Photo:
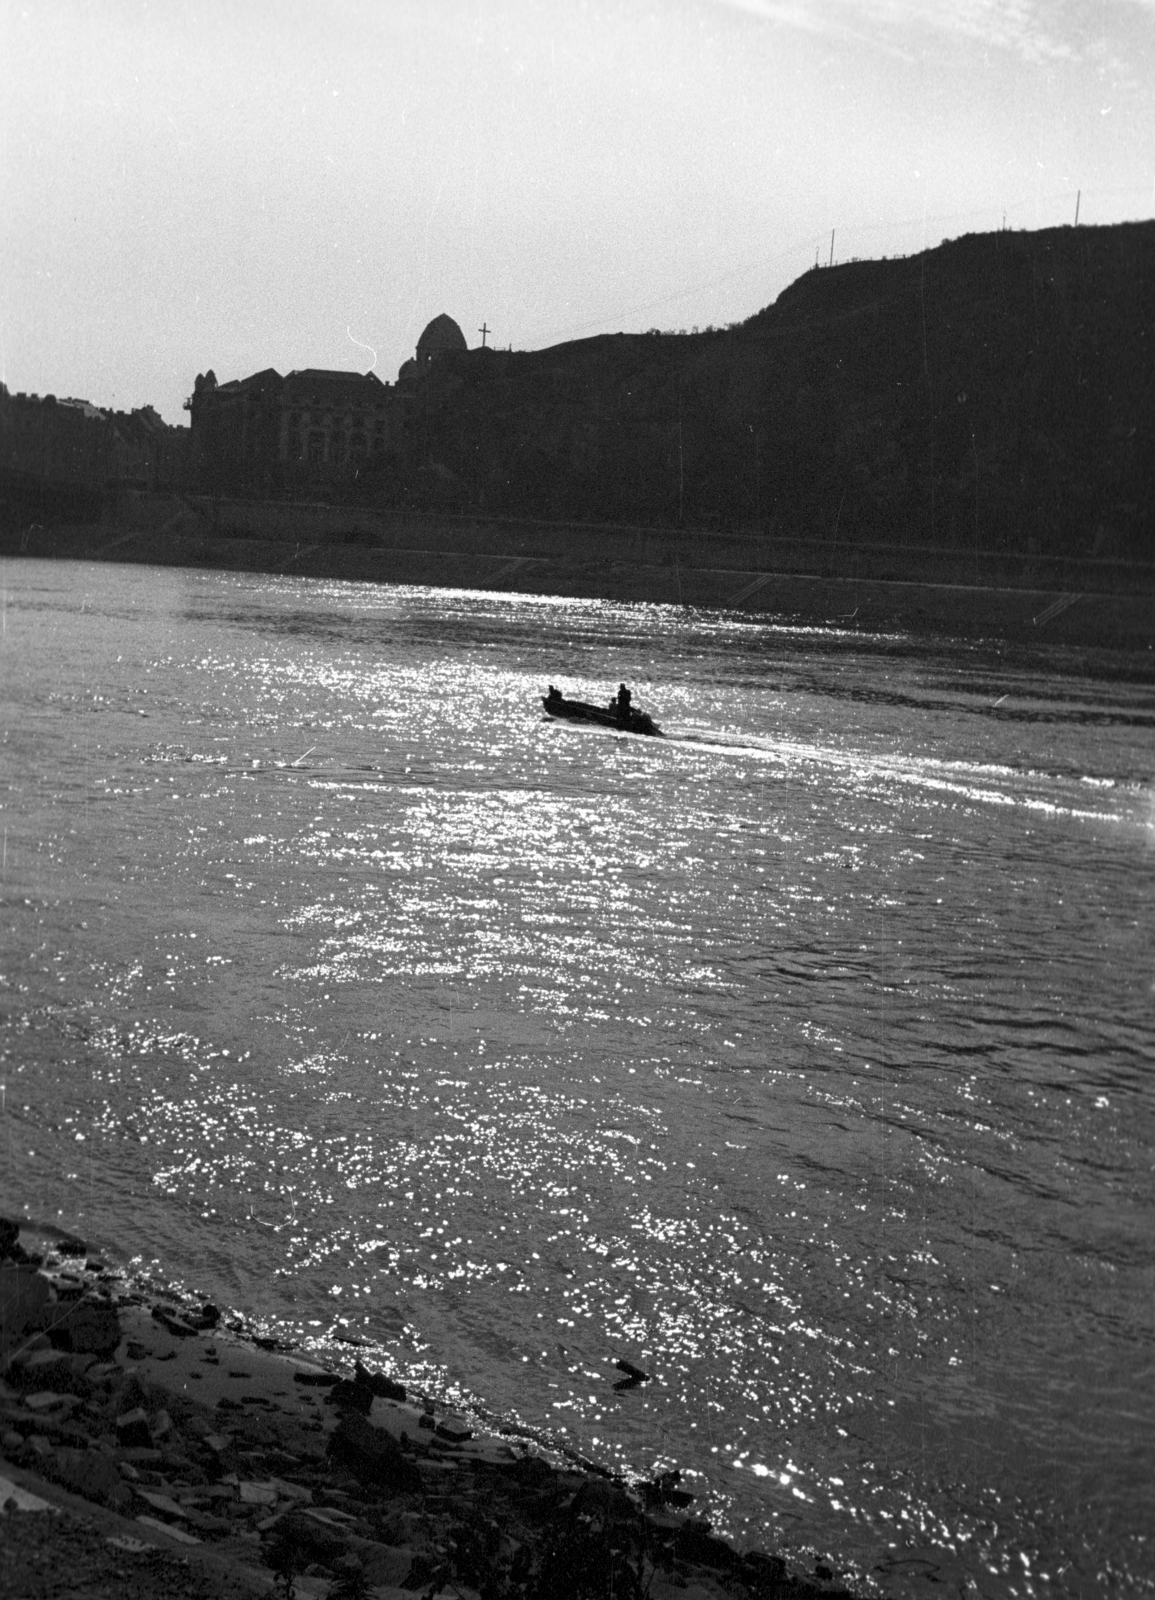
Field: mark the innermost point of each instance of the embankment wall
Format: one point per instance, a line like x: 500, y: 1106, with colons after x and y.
x: 876, y: 587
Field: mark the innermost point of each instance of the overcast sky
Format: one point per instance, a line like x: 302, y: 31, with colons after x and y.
x: 239, y: 184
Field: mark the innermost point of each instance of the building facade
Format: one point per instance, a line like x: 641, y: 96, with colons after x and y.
x: 269, y: 434
x: 72, y: 445
x: 312, y: 431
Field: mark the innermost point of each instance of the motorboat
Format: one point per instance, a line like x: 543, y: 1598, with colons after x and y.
x: 619, y: 713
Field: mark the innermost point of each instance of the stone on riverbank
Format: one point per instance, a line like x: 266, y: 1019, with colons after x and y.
x: 177, y: 1326
x: 299, y: 1539
x: 50, y: 1369
x: 373, y: 1456
x: 377, y: 1383
x: 91, y: 1474
x: 10, y: 1247
x: 24, y: 1299
x: 88, y: 1326
x: 132, y: 1430
x: 351, y: 1397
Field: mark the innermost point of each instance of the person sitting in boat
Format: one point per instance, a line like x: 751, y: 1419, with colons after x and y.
x: 622, y: 704
x: 554, y: 695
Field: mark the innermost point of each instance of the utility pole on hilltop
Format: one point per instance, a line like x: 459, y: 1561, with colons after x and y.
x: 483, y: 330
x: 681, y: 471
x: 832, y: 247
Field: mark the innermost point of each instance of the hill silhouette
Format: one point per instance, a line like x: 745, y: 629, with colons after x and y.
x: 959, y: 441
x: 995, y: 393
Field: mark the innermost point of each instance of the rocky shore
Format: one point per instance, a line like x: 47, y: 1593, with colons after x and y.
x: 149, y: 1448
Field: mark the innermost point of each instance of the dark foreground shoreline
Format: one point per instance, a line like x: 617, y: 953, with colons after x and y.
x: 149, y: 1450
x: 872, y: 589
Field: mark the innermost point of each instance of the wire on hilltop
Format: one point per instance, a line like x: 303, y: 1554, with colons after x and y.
x: 807, y: 243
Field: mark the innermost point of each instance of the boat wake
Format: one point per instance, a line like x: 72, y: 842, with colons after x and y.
x: 711, y: 739
x: 1088, y: 797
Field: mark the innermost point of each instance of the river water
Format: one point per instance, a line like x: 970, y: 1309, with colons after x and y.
x: 805, y: 1058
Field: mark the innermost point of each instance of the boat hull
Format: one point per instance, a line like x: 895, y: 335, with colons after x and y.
x: 582, y: 711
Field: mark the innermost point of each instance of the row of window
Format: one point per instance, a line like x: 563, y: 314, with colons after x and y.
x: 317, y: 445
x: 352, y: 419
x: 313, y: 448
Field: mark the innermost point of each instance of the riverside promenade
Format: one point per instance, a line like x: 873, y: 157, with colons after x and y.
x: 873, y: 588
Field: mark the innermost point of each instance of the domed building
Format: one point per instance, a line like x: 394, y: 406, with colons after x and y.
x: 441, y: 337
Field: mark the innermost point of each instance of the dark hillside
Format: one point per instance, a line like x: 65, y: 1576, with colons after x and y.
x: 994, y: 394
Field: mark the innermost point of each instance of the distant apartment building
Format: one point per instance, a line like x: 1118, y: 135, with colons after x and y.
x: 68, y: 445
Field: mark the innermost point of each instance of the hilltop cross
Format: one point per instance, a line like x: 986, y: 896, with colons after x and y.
x: 483, y: 330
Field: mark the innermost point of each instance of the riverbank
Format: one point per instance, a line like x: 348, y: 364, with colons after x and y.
x: 149, y: 1448
x: 872, y: 588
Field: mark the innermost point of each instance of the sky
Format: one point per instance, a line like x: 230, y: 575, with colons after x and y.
x: 242, y: 184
